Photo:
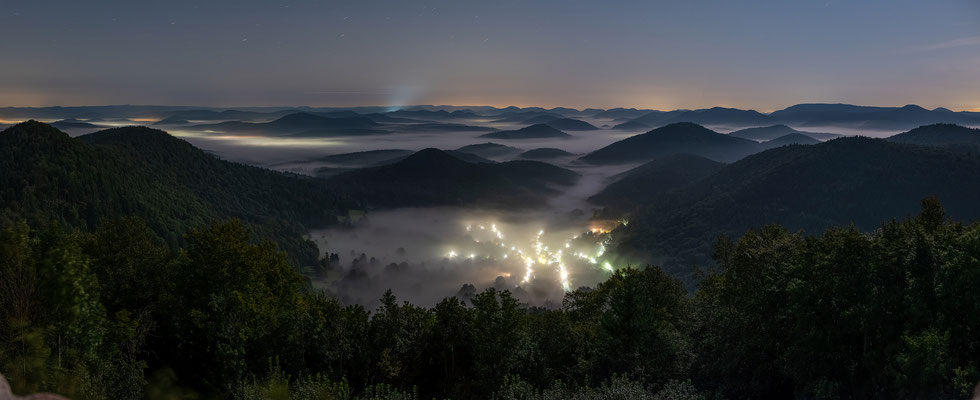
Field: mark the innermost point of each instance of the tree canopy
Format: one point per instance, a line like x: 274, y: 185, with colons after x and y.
x: 115, y: 313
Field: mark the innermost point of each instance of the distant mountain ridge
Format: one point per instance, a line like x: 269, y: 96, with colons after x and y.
x: 905, y: 117
x: 299, y: 124
x: 521, y: 116
x: 799, y: 115
x: 75, y: 124
x: 818, y: 115
x: 710, y: 116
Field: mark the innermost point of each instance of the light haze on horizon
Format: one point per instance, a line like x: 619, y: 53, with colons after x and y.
x: 763, y: 55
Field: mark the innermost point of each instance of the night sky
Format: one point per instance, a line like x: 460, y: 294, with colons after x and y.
x: 659, y: 54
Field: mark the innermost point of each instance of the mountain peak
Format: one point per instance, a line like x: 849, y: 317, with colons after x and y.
x: 133, y: 135
x: 152, y: 145
x: 34, y: 130
x: 913, y: 107
x: 678, y: 137
x: 431, y: 158
x: 682, y: 128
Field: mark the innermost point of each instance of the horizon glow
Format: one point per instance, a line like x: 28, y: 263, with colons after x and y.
x: 764, y: 55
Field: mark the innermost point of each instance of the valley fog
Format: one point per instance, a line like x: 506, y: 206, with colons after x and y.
x: 295, y: 154
x: 550, y: 242
x: 426, y: 254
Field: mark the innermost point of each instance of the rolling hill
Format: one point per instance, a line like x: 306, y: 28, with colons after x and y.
x: 138, y: 171
x: 521, y: 116
x: 387, y: 119
x: 709, y: 116
x: 75, y: 124
x: 569, y: 124
x: 225, y: 115
x: 621, y: 113
x: 675, y: 138
x: 540, y: 119
x: 645, y: 183
x: 171, y: 120
x: 818, y: 115
x: 433, y: 177
x: 849, y: 180
x: 766, y: 133
x: 489, y: 149
x: 632, y: 126
x: 364, y: 158
x: 438, y: 127
x: 792, y: 138
x: 299, y: 124
x: 939, y: 135
x: 544, y: 153
x: 425, y: 115
x: 565, y: 111
x: 539, y: 131
x: 906, y: 117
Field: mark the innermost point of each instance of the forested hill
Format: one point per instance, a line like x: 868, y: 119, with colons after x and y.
x: 233, y: 189
x: 681, y: 137
x: 653, y: 180
x: 844, y: 315
x: 940, y: 135
x: 45, y: 176
x: 850, y: 180
x: 433, y: 177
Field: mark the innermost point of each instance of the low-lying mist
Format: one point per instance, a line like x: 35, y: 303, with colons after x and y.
x: 426, y: 254
x: 297, y: 154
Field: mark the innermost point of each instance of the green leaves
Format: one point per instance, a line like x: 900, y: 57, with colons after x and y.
x: 843, y: 314
x: 115, y: 314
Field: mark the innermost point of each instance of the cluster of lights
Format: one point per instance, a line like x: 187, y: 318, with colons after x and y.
x: 540, y: 255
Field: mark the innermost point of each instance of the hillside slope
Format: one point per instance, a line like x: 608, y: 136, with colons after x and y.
x: 849, y: 180
x: 434, y: 177
x: 682, y: 137
x: 47, y: 176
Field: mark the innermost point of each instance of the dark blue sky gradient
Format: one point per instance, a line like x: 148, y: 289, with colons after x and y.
x: 660, y: 54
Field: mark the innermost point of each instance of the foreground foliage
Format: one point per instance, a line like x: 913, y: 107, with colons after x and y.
x: 114, y: 313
